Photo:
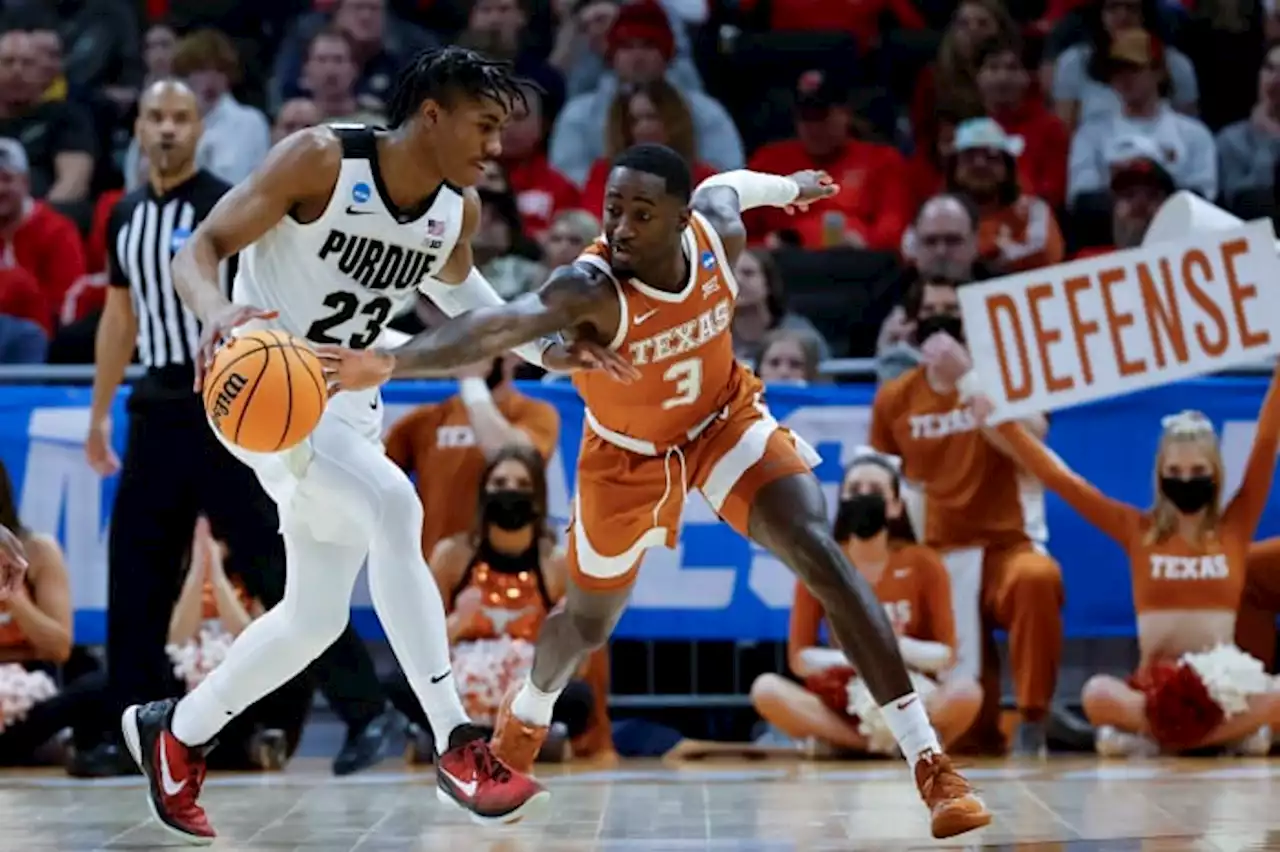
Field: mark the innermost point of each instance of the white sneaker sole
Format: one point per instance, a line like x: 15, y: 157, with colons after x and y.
x: 532, y: 808
x: 129, y: 727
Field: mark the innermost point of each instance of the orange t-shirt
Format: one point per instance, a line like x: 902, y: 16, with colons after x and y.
x: 436, y: 443
x: 1172, y: 573
x: 1020, y: 236
x: 679, y: 342
x: 914, y: 589
x: 974, y: 495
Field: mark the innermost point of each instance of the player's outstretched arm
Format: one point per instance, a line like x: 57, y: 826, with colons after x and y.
x: 722, y: 198
x: 301, y: 168
x: 569, y: 299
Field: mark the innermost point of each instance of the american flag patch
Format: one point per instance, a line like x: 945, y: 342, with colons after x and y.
x: 435, y: 228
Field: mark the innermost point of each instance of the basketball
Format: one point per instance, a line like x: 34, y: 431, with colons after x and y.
x: 265, y: 391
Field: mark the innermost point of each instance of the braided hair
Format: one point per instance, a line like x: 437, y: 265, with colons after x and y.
x: 443, y: 73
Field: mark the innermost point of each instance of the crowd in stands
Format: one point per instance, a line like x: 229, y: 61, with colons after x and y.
x: 1055, y: 126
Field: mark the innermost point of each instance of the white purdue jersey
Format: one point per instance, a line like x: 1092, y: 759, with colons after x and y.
x: 340, y: 279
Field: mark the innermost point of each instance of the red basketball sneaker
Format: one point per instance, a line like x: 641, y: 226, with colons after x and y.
x: 469, y: 776
x: 174, y: 770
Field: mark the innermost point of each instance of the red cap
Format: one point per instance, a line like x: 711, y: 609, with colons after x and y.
x: 645, y: 21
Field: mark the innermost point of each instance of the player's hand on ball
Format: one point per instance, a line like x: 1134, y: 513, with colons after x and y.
x: 814, y: 186
x: 588, y: 355
x: 13, y: 562
x: 355, y: 369
x: 217, y: 329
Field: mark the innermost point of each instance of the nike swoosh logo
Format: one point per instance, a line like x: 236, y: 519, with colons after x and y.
x: 168, y: 783
x: 467, y: 789
x: 441, y: 677
x: 905, y: 703
x: 644, y: 316
x: 352, y: 211
x: 374, y: 404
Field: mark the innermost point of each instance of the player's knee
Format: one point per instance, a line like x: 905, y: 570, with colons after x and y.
x: 317, y: 621
x: 1098, y: 699
x: 400, y: 508
x: 766, y: 693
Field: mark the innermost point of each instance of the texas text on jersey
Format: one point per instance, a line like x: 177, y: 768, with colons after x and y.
x: 340, y: 279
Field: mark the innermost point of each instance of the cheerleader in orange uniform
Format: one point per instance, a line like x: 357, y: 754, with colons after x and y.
x: 1194, y: 687
x: 831, y: 707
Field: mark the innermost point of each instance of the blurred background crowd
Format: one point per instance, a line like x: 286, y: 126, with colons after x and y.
x: 971, y: 138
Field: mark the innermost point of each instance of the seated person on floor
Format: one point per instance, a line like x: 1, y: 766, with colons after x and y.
x: 1194, y: 688
x: 212, y: 610
x: 833, y: 709
x: 498, y: 583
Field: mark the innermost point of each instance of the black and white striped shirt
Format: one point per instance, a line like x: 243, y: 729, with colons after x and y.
x: 146, y: 230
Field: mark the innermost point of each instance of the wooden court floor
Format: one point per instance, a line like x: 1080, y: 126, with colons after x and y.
x: 1062, y: 804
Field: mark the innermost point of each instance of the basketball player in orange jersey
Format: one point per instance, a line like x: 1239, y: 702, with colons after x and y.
x: 659, y: 290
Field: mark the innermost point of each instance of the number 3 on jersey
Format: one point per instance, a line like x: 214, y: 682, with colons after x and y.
x: 686, y: 375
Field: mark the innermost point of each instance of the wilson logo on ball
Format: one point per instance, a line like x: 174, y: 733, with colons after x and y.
x: 227, y: 394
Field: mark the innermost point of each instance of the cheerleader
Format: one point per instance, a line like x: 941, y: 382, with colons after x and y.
x: 832, y: 709
x: 1194, y: 688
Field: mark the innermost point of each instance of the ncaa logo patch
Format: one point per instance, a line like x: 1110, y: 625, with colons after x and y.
x: 708, y: 260
x: 179, y: 239
x: 360, y: 193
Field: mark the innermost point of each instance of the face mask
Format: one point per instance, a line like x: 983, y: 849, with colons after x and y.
x: 1189, y: 495
x: 930, y: 326
x: 862, y: 516
x: 495, y: 376
x: 509, y: 510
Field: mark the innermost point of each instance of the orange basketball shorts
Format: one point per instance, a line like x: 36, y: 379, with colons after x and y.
x: 626, y: 502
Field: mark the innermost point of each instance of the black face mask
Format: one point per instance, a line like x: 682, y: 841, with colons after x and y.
x: 862, y: 516
x: 509, y: 510
x: 930, y: 326
x: 495, y: 376
x: 1189, y: 495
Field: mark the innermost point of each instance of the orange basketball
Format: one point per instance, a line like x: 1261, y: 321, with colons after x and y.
x: 265, y: 391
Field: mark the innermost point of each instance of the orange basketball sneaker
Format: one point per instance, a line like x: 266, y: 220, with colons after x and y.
x: 515, y: 742
x: 953, y: 805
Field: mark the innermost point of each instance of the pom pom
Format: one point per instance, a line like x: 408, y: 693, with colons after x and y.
x: 195, y: 658
x: 1230, y: 675
x: 863, y: 706
x: 832, y: 687
x: 1180, y: 711
x: 485, y: 669
x: 20, y: 690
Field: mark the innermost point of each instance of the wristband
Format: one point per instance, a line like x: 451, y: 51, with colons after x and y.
x: 473, y: 390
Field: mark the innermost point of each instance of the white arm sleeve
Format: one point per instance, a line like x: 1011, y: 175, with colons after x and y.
x: 930, y: 657
x: 817, y: 659
x: 477, y: 292
x: 756, y: 189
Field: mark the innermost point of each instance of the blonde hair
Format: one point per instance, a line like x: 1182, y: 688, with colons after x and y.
x: 1186, y: 427
x: 671, y: 108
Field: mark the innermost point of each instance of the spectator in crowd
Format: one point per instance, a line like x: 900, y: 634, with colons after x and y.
x: 541, y: 191
x: 99, y: 39
x: 499, y: 29
x: 581, y: 50
x: 1248, y: 149
x: 1136, y: 69
x: 35, y: 644
x: 22, y: 339
x: 570, y: 233
x: 1016, y: 231
x: 212, y: 609
x: 950, y: 86
x: 159, y: 44
x: 1004, y: 85
x: 294, y: 115
x: 874, y: 203
x: 58, y: 136
x: 1083, y: 88
x: 861, y: 20
x: 1000, y: 573
x: 1140, y: 184
x: 912, y: 583
x: 82, y: 304
x: 761, y: 307
x: 790, y: 356
x: 329, y: 76
x: 236, y: 137
x: 650, y: 112
x: 499, y: 579
x: 927, y: 168
x: 897, y: 347
x: 383, y: 44
x: 641, y: 45
x: 447, y: 445
x: 502, y: 251
x: 36, y: 238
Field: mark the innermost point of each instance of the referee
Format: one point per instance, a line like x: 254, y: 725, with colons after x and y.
x: 174, y: 467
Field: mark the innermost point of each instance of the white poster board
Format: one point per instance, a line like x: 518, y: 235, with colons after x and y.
x: 1109, y: 325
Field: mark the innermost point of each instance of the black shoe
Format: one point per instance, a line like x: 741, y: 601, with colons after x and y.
x: 419, y: 747
x: 1029, y: 740
x: 269, y: 749
x: 363, y: 748
x: 174, y: 769
x: 106, y: 760
x: 1068, y: 731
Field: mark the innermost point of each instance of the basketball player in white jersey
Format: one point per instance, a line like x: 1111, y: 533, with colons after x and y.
x: 337, y: 231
